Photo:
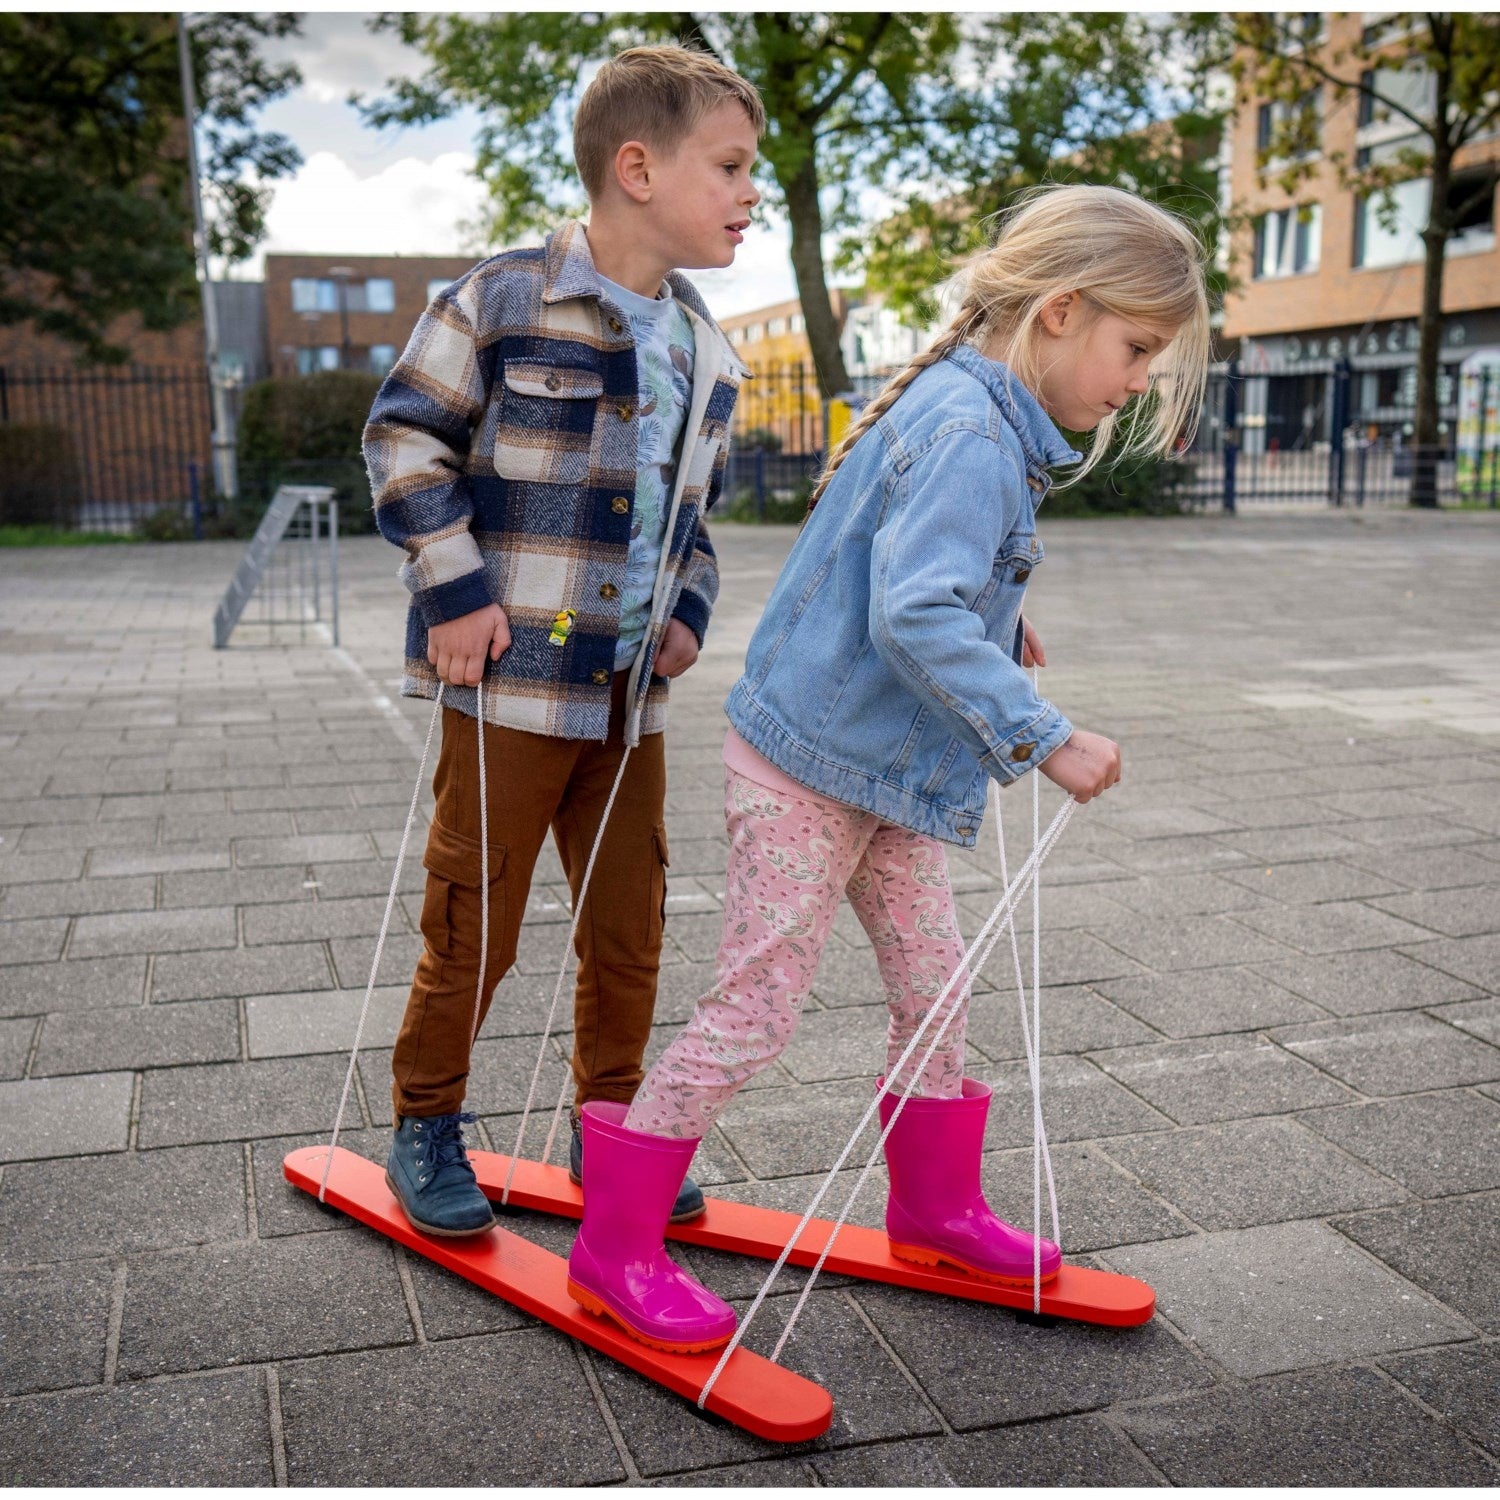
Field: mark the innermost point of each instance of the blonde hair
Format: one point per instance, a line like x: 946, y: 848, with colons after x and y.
x: 1122, y: 255
x: 658, y: 95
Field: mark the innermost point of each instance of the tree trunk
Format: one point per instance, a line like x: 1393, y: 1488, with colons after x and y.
x: 1425, y: 437
x: 800, y: 188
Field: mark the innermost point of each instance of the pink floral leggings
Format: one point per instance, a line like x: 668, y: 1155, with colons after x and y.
x: 790, y: 860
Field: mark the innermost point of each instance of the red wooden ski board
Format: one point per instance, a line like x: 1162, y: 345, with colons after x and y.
x: 1077, y: 1293
x: 763, y: 1398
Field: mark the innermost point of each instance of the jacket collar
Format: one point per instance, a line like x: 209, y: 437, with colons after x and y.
x: 1042, y: 443
x: 570, y: 272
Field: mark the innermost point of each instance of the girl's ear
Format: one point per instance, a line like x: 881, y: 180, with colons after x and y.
x: 1060, y: 314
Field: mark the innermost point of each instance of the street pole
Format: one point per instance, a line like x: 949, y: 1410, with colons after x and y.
x: 226, y: 479
x: 341, y: 275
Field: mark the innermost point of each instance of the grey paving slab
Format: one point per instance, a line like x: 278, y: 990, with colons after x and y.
x: 1278, y: 845
x: 1220, y: 1078
x: 847, y: 976
x: 1450, y: 1248
x: 1171, y: 896
x: 1325, y: 1428
x: 32, y: 940
x: 239, y: 1101
x: 1332, y: 927
x: 1475, y: 960
x: 1311, y: 881
x: 372, y: 878
x: 301, y: 849
x: 135, y: 1201
x: 831, y: 1345
x: 982, y: 1366
x: 398, y: 961
x: 322, y: 1021
x: 156, y: 861
x: 781, y: 1473
x: 1250, y: 1172
x: 454, y: 1308
x: 1396, y: 1053
x: 1067, y: 958
x: 1063, y: 907
x: 188, y: 929
x: 280, y: 1208
x: 1192, y: 943
x: 1072, y: 1451
x: 127, y: 833
x: 53, y: 1327
x: 214, y: 1430
x: 278, y: 1299
x: 140, y: 1036
x: 1462, y: 911
x: 241, y: 971
x: 1284, y: 1297
x: 1434, y: 1144
x: 1074, y: 1018
x: 1479, y: 1018
x: 76, y: 897
x: 782, y: 1132
x: 65, y: 1116
x: 302, y: 921
x: 1358, y: 983
x: 371, y: 1418
x: 1459, y: 1384
x: 29, y: 869
x: 275, y: 883
x: 1079, y: 1103
x: 15, y: 1045
x: 1208, y: 1002
x: 1176, y: 855
x: 1427, y: 869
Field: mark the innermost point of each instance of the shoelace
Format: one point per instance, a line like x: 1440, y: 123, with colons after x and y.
x: 445, y: 1142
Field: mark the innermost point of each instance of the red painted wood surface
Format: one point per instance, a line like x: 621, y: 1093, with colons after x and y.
x: 1079, y: 1294
x: 766, y: 1399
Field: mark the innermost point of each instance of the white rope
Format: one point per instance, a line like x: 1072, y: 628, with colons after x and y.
x: 385, y: 922
x: 989, y: 936
x: 484, y: 869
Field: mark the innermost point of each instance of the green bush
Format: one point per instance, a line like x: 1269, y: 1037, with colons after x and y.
x: 301, y: 429
x: 1138, y: 487
x: 41, y: 478
x: 166, y: 523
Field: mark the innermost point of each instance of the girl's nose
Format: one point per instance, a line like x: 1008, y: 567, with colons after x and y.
x: 1138, y: 385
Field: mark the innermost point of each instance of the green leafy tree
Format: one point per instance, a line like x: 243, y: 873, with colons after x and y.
x: 1437, y: 72
x: 95, y: 215
x: 1039, y: 98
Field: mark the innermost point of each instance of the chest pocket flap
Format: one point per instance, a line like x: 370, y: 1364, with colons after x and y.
x: 533, y: 378
x: 546, y: 422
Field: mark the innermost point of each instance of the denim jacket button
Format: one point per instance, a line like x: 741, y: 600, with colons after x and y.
x: 1035, y: 482
x: 1024, y: 750
x: 1022, y: 574
x: 964, y: 832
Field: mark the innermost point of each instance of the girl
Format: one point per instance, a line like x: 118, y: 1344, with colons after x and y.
x: 883, y: 689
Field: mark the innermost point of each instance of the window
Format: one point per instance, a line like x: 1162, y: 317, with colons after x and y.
x: 380, y: 295
x: 798, y: 323
x: 1475, y: 208
x: 1288, y: 242
x: 382, y: 357
x: 314, y: 295
x: 311, y: 360
x: 1291, y: 131
x: 1413, y: 89
x: 1301, y: 27
x: 436, y: 285
x: 755, y: 333
x: 775, y: 328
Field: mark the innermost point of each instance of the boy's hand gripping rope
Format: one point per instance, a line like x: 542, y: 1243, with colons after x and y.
x: 1001, y: 919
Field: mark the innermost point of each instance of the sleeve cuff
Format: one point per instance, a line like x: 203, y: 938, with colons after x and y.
x: 449, y: 601
x: 1025, y: 749
x: 692, y: 610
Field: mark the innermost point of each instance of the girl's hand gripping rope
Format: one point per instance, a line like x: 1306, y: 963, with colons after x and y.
x: 1084, y: 764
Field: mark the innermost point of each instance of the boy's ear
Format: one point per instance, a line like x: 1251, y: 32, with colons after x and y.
x: 633, y: 171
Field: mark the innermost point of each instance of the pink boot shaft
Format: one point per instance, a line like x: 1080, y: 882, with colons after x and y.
x: 619, y: 1267
x: 937, y: 1210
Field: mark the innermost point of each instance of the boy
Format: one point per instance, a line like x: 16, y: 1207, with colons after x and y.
x: 544, y: 451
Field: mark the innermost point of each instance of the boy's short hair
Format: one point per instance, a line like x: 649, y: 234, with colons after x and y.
x: 658, y: 95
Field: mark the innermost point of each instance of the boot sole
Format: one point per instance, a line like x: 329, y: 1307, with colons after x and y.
x: 416, y: 1223
x: 601, y: 1309
x: 697, y: 1213
x: 919, y: 1255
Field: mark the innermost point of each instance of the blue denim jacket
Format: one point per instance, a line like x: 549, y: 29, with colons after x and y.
x: 885, y: 671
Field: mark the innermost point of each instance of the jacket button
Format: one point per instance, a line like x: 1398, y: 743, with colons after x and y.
x: 1034, y: 481
x: 553, y: 382
x: 1024, y: 750
x: 619, y: 505
x: 615, y: 326
x: 607, y: 591
x: 599, y: 676
x: 964, y: 832
x: 1022, y: 574
x: 622, y: 411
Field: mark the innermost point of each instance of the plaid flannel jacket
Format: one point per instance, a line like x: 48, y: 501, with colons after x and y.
x: 502, y: 457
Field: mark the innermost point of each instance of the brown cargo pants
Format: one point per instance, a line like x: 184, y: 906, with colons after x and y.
x: 534, y: 782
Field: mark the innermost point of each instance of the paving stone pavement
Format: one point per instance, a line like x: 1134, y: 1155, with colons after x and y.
x: 1271, y: 1051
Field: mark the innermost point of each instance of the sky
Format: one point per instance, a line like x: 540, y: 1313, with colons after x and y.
x: 410, y: 191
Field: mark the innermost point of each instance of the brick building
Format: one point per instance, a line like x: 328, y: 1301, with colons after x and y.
x: 1321, y: 278
x: 356, y: 312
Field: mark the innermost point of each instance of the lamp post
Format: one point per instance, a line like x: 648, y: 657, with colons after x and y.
x: 341, y: 275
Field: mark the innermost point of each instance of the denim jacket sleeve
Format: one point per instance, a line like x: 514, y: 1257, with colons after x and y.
x: 415, y: 444
x: 949, y: 513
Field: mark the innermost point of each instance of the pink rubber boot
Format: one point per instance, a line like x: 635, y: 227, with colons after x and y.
x: 619, y: 1267
x: 936, y: 1210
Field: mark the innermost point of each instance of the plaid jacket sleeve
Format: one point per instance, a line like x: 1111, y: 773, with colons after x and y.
x: 700, y: 583
x: 415, y: 444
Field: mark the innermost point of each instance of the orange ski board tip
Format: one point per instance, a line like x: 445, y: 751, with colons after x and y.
x: 766, y: 1399
x: 1076, y: 1293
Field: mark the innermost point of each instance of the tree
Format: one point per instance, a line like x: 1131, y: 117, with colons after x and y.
x: 1439, y: 73
x: 1046, y: 97
x: 96, y: 220
x: 831, y: 82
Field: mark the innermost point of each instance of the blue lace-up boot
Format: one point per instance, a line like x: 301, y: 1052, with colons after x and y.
x: 689, y: 1202
x: 430, y: 1175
